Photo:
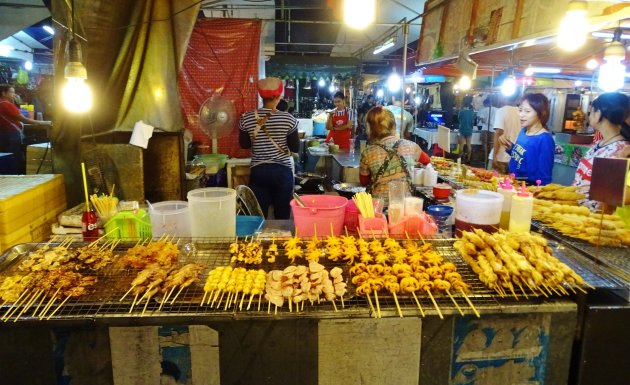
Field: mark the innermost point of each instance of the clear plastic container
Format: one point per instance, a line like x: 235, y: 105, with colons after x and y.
x: 212, y: 212
x: 521, y: 213
x: 170, y: 218
x: 477, y: 209
x: 396, y: 207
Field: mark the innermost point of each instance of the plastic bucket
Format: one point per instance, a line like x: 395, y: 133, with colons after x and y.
x: 351, y: 217
x: 171, y: 218
x: 247, y: 225
x: 212, y: 212
x: 479, y: 209
x: 321, y: 212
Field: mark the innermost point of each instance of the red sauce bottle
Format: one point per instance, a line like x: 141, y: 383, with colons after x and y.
x: 89, y: 225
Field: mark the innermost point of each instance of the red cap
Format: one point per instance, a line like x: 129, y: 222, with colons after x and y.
x: 270, y: 87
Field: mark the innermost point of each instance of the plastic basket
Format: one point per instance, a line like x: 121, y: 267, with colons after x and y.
x: 320, y: 214
x: 248, y: 225
x: 129, y: 224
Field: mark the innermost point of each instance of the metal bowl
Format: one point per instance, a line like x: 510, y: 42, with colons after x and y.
x: 348, y: 190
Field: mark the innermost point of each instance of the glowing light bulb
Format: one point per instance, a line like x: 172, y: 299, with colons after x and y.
x: 77, y: 96
x: 592, y: 64
x: 508, y: 88
x: 573, y: 27
x: 380, y: 93
x: 28, y: 65
x: 321, y: 82
x: 393, y: 82
x: 465, y: 83
x: 611, y: 75
x: 359, y: 14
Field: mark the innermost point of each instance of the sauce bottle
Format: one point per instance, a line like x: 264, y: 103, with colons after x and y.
x: 507, y: 190
x: 521, y: 213
x: 89, y: 225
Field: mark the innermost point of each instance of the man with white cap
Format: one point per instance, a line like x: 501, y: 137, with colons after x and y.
x: 272, y: 135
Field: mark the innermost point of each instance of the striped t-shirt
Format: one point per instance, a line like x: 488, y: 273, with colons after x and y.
x: 279, y: 126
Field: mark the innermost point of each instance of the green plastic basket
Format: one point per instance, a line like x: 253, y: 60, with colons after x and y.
x: 129, y: 225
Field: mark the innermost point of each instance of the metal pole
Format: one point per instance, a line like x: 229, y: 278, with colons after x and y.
x: 404, y: 72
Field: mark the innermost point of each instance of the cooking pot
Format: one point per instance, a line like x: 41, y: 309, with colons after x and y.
x: 348, y: 190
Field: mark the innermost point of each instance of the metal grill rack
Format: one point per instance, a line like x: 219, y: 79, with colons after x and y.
x: 102, y: 302
x: 609, y: 263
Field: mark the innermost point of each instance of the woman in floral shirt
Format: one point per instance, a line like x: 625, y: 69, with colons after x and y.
x: 387, y: 158
x: 607, y: 115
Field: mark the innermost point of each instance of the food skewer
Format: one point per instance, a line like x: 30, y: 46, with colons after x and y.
x: 435, y: 304
x: 469, y: 303
x: 49, y: 304
x: 58, y: 307
x: 127, y: 293
x: 455, y: 302
x: 418, y: 303
x: 378, y: 305
x: 133, y: 303
x: 397, y: 304
x: 34, y: 298
x: 12, y: 309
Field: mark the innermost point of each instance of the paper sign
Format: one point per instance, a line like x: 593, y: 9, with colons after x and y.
x: 444, y: 138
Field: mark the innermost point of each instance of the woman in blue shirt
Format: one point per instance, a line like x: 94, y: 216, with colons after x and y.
x: 532, y: 154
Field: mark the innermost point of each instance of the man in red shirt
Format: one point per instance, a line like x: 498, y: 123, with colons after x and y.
x: 11, y: 128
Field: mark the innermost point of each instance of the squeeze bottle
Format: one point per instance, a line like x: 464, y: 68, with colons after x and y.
x: 521, y: 213
x: 430, y: 176
x: 507, y: 190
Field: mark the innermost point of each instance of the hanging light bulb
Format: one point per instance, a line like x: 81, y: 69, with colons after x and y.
x: 321, y: 82
x: 573, y: 27
x: 508, y: 88
x: 612, y: 73
x: 359, y: 14
x: 465, y: 83
x: 77, y: 96
x: 393, y: 82
x: 380, y: 93
x: 592, y: 64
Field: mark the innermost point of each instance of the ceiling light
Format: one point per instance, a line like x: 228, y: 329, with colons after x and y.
x: 321, y: 82
x: 331, y: 88
x: 5, y: 49
x: 592, y: 64
x: 359, y: 14
x: 77, y: 96
x: 508, y: 88
x: 465, y: 83
x: 574, y: 26
x: 49, y: 29
x: 393, y: 82
x: 389, y: 43
x: 380, y: 93
x: 417, y: 100
x: 529, y: 71
x: 28, y: 65
x: 408, y: 90
x: 542, y: 70
x: 612, y: 73
x: 578, y: 83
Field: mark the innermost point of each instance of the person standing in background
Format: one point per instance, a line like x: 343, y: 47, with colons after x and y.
x: 485, y: 119
x: 506, y: 123
x: 466, y: 119
x: 272, y: 135
x: 404, y: 129
x: 340, y: 123
x: 11, y: 133
x: 531, y: 155
x: 607, y: 116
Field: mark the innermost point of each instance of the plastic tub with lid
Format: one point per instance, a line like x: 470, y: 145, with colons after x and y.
x: 170, y: 218
x: 480, y: 209
x: 212, y: 212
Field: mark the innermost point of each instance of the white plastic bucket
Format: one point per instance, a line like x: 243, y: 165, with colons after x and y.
x: 477, y: 209
x: 212, y: 212
x: 170, y: 218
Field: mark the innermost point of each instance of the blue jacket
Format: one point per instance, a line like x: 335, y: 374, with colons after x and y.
x: 532, y: 157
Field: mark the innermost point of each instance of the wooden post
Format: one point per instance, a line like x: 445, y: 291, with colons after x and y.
x: 518, y: 14
x: 473, y: 23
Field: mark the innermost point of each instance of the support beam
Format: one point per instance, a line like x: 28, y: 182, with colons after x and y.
x: 518, y: 15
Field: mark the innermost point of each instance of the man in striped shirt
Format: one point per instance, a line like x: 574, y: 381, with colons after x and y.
x: 271, y: 135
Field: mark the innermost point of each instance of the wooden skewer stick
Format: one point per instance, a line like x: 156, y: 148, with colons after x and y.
x: 371, y: 306
x: 562, y: 289
x: 378, y: 305
x: 275, y: 312
x: 589, y: 285
x: 513, y: 292
x: 522, y: 290
x: 162, y: 302
x: 343, y: 305
x: 28, y: 303
x: 205, y: 294
x: 455, y: 302
x: 133, y: 303
x: 421, y: 237
x: 95, y: 243
x: 580, y: 289
x: 12, y: 309
x: 178, y: 293
x: 418, y: 303
x: 127, y: 293
x: 144, y: 309
x: 259, y: 300
x: 302, y: 308
x: 240, y: 304
x: 572, y: 290
x: 220, y: 299
x: 268, y: 307
x: 58, y: 307
x: 41, y: 302
x: 435, y: 304
x: 397, y: 304
x: 470, y: 303
x: 249, y: 303
x: 334, y: 305
x: 228, y: 301
x: 49, y: 304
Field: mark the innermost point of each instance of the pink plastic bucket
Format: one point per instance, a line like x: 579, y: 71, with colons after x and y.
x: 320, y: 212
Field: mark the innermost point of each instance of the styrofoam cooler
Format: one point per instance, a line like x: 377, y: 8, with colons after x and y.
x: 170, y: 218
x: 212, y: 212
x: 322, y: 214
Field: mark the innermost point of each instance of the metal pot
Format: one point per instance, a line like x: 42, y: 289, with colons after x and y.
x: 348, y: 190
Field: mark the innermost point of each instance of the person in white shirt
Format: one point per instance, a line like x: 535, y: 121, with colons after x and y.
x: 506, y: 122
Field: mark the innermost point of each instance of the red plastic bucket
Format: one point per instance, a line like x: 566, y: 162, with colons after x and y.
x: 320, y: 213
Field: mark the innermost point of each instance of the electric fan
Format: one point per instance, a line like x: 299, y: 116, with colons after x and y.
x: 216, y: 117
